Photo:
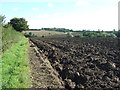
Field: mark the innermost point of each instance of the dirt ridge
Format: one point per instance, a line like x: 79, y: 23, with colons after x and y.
x: 42, y: 73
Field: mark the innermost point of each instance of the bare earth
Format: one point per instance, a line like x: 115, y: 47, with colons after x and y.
x: 76, y: 63
x: 42, y: 73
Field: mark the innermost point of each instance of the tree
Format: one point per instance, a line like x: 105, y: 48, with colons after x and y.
x: 2, y: 19
x: 19, y: 24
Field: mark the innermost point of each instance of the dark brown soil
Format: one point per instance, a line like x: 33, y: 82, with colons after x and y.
x: 88, y: 63
x: 42, y: 74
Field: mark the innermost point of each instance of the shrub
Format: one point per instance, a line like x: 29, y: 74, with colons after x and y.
x: 117, y: 33
x: 78, y: 35
x: 43, y: 36
x: 69, y: 34
x: 30, y: 34
x: 90, y: 34
x: 111, y: 35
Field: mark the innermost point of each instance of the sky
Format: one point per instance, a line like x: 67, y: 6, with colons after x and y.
x: 71, y: 14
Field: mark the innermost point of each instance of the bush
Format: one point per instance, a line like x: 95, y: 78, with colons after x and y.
x: 117, y: 33
x: 90, y: 34
x: 101, y: 35
x: 111, y: 35
x: 69, y: 34
x: 96, y: 34
x: 43, y: 36
x: 30, y: 34
x: 78, y: 35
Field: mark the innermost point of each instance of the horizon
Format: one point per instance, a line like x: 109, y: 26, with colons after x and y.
x: 34, y: 29
x: 70, y: 14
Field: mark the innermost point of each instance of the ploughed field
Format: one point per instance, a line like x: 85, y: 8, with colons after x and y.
x: 83, y: 62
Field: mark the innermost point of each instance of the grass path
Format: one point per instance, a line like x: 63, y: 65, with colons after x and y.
x: 15, y: 66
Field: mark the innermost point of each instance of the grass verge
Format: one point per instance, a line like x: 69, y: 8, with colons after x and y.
x: 15, y: 66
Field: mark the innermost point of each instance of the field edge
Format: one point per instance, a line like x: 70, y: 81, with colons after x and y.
x: 16, y: 72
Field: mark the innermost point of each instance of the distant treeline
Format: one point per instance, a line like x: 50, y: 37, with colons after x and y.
x: 89, y: 33
x: 71, y: 30
x: 54, y: 29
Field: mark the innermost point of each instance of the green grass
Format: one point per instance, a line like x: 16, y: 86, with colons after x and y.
x: 0, y: 52
x: 15, y: 66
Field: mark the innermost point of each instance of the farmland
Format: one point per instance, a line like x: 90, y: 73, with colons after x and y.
x: 59, y: 58
x: 82, y: 62
x: 44, y: 32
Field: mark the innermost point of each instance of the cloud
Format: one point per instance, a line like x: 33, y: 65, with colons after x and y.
x: 50, y: 5
x: 19, y: 0
x: 42, y: 16
x: 103, y: 19
x: 35, y: 0
x: 35, y: 9
x: 82, y: 3
x: 53, y: 0
x: 15, y: 9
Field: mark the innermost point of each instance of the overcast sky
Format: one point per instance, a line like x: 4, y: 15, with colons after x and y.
x: 72, y: 14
